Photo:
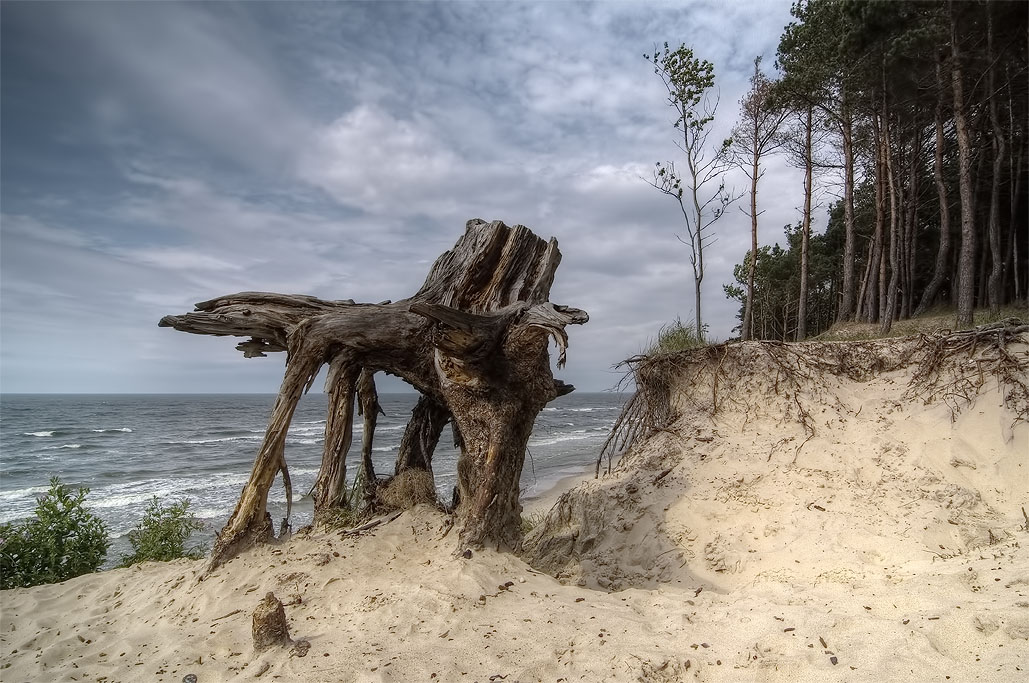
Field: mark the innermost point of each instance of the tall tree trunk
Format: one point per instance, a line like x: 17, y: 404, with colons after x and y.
x: 698, y: 264
x: 966, y: 259
x: 982, y: 218
x: 995, y: 282
x: 846, y: 310
x: 940, y: 269
x: 1015, y: 157
x: 911, y: 241
x: 877, y: 286
x: 1015, y: 188
x: 805, y: 237
x: 981, y: 298
x: 910, y: 208
x: 865, y: 279
x: 890, y: 312
x: 747, y: 330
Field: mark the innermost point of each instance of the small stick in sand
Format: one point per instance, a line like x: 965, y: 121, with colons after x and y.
x: 662, y: 475
x: 226, y: 616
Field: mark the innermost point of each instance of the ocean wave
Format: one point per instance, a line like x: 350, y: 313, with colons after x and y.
x: 320, y: 430
x: 67, y: 445
x: 50, y: 433
x: 116, y: 429
x: 14, y: 494
x: 140, y: 492
x: 216, y: 513
x: 219, y: 440
x: 306, y: 431
x: 575, y: 436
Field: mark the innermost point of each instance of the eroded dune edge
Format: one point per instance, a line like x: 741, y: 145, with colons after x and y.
x: 817, y: 511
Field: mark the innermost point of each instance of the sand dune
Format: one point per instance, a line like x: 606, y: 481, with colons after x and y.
x: 828, y: 524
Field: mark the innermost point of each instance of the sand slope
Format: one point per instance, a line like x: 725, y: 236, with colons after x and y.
x: 882, y: 541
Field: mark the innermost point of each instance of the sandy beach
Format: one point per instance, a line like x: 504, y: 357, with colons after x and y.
x: 835, y: 528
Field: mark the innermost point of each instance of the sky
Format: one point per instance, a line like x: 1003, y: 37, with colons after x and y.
x: 158, y: 154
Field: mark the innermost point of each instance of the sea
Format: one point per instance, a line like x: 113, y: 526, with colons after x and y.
x: 126, y: 449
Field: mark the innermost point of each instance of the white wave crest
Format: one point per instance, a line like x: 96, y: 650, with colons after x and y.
x: 220, y: 440
x: 575, y: 436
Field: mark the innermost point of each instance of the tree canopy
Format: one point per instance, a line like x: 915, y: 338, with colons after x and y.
x: 923, y: 109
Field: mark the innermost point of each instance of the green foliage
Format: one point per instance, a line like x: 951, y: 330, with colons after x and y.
x: 63, y: 540
x: 677, y: 336
x: 777, y: 285
x: 687, y: 79
x: 162, y: 534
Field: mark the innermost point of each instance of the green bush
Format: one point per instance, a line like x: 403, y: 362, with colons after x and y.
x: 63, y: 540
x: 162, y: 534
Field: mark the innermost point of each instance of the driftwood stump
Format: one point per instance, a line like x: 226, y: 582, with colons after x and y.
x: 473, y: 342
x: 270, y: 627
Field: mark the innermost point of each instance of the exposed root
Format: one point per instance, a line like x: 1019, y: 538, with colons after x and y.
x: 472, y: 341
x: 952, y: 367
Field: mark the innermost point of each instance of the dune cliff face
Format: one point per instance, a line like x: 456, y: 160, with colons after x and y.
x: 808, y: 512
x: 880, y: 481
x: 810, y: 463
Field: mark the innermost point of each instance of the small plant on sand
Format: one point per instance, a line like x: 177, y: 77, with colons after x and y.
x: 350, y: 513
x: 61, y: 541
x: 676, y: 336
x: 162, y: 534
x: 532, y: 520
x: 341, y: 518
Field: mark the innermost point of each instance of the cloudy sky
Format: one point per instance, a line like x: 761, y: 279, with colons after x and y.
x: 156, y: 154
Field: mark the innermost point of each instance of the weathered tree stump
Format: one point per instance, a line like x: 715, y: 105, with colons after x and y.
x: 270, y: 628
x: 473, y: 341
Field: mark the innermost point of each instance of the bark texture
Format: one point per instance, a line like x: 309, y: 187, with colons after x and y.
x: 805, y: 238
x: 940, y: 270
x: 270, y: 628
x: 473, y: 341
x: 846, y: 311
x: 966, y: 256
